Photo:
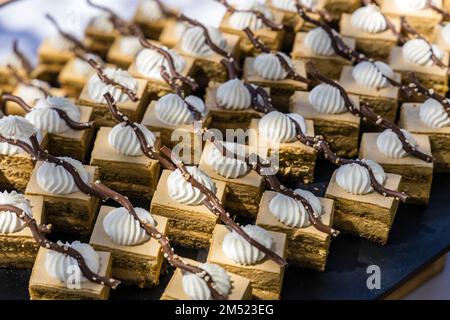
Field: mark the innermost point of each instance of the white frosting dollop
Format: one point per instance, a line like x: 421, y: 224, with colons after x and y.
x: 325, y: 98
x: 279, y: 127
x: 172, y: 110
x: 102, y: 22
x: 196, y: 288
x: 355, y: 179
x: 226, y: 166
x: 372, y: 75
x: 369, y: 19
x: 30, y: 93
x: 241, y: 251
x: 124, y: 140
x: 9, y: 221
x: 97, y: 88
x: 57, y: 180
x: 445, y: 33
x: 150, y: 10
x: 233, y: 95
x: 61, y: 267
x: 318, y: 41
x: 292, y: 212
x: 124, y: 230
x: 44, y: 117
x: 183, y: 192
x: 61, y: 43
x: 268, y: 66
x: 194, y: 41
x: 390, y: 145
x: 411, y: 5
x: 82, y: 67
x: 418, y: 51
x: 15, y: 127
x: 130, y: 45
x: 433, y: 114
x: 243, y: 20
x: 289, y: 5
x: 149, y: 63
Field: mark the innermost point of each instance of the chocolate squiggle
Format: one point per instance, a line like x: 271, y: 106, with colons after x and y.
x: 26, y: 64
x: 77, y: 43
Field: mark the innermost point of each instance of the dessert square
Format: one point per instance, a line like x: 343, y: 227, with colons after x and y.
x: 7, y: 82
x: 72, y: 213
x: 123, y: 51
x: 266, y: 276
x: 338, y: 7
x: 341, y: 130
x: 51, y: 58
x: 100, y: 34
x: 132, y: 264
x: 296, y: 160
x: 74, y: 76
x: 439, y: 137
x: 417, y: 174
x: 172, y: 33
x: 244, y: 192
x: 43, y: 286
x: 150, y: 18
x: 330, y: 66
x: 281, y: 91
x: 135, y: 177
x: 190, y: 226
x: 306, y: 247
x: 374, y: 45
x: 369, y: 215
x: 18, y: 250
x: 240, y: 286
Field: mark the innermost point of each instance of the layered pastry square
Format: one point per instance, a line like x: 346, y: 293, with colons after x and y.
x: 338, y: 7
x: 151, y: 18
x: 7, y: 82
x: 190, y: 222
x: 16, y: 165
x: 267, y: 71
x: 276, y: 132
x: 306, y: 246
x: 67, y: 208
x: 431, y: 119
x: 58, y: 277
x: 315, y: 46
x: 368, y: 26
x: 136, y: 257
x: 74, y: 76
x: 236, y: 255
x: 93, y: 96
x: 188, y: 286
x: 359, y: 210
x: 123, y: 51
x: 386, y: 149
x: 100, y: 34
x: 18, y: 249
x: 332, y: 120
x: 122, y: 165
x: 245, y: 186
x: 53, y: 54
x: 172, y: 33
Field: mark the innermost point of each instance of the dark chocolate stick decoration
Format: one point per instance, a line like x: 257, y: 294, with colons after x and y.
x: 212, y: 202
x: 368, y: 115
x: 62, y: 114
x: 258, y: 44
x: 39, y: 232
x: 165, y: 10
x: 26, y: 82
x: 432, y: 6
x: 26, y: 64
x: 77, y: 43
x: 259, y: 14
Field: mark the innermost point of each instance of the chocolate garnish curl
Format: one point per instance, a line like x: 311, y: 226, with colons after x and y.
x: 77, y: 43
x: 39, y: 231
x: 26, y: 64
x: 442, y: 12
x: 62, y: 114
x: 367, y: 114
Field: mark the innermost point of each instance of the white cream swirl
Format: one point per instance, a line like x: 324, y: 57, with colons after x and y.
x: 9, y: 221
x: 268, y: 66
x: 61, y: 267
x: 194, y: 41
x: 130, y: 45
x: 369, y: 19
x: 318, y: 41
x: 279, y: 127
x: 44, y: 117
x: 196, y: 287
x: 445, y: 33
x: 82, y: 67
x: 57, y: 180
x: 102, y: 23
x: 372, y: 74
x: 15, y: 127
x: 411, y: 5
x: 355, y: 179
x: 228, y: 166
x: 241, y: 19
x: 433, y: 114
x: 183, y: 192
x: 292, y: 212
x: 241, y: 251
x: 150, y: 10
x: 327, y: 99
x: 149, y: 63
x: 61, y: 43
x: 172, y: 110
x: 390, y: 145
x: 418, y: 51
x: 124, y: 230
x: 97, y: 88
x: 124, y: 140
x: 233, y: 95
x: 31, y: 93
x: 290, y: 5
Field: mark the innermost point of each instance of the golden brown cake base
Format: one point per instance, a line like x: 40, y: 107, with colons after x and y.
x: 17, y: 252
x: 337, y: 7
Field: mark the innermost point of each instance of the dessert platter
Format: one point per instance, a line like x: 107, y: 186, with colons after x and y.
x: 276, y: 156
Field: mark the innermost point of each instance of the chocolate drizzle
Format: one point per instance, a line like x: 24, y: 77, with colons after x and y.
x: 367, y: 114
x: 77, y: 43
x: 27, y: 82
x: 26, y: 64
x: 39, y: 232
x: 258, y: 44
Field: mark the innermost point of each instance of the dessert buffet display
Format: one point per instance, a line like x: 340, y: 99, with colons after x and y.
x: 209, y: 138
